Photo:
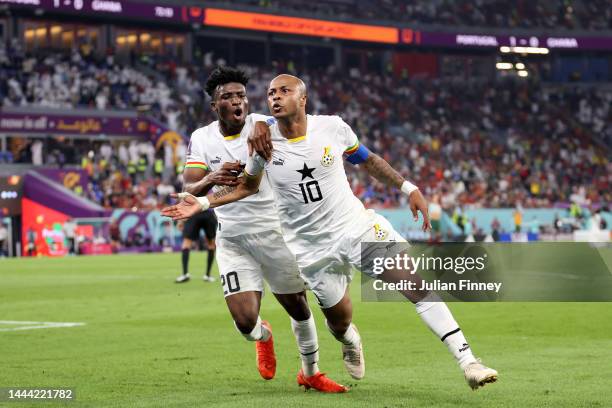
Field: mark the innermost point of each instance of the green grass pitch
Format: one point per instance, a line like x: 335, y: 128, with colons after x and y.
x: 148, y: 342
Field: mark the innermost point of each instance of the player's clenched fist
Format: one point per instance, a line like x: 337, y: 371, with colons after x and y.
x: 227, y: 175
x: 260, y: 141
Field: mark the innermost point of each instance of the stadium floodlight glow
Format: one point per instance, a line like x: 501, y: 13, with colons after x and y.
x: 503, y: 65
x: 523, y: 73
x: 520, y: 65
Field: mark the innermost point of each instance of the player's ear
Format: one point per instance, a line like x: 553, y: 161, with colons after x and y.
x: 213, y: 106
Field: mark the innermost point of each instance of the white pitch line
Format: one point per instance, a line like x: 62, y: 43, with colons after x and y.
x: 26, y: 325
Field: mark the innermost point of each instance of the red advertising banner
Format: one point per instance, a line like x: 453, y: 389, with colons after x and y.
x: 302, y: 26
x: 42, y: 230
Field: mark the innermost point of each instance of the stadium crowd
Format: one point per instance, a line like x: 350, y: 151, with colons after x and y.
x: 492, y: 143
x: 56, y: 80
x: 568, y: 14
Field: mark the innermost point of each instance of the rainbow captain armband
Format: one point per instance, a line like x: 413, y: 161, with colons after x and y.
x: 197, y: 165
x: 357, y: 153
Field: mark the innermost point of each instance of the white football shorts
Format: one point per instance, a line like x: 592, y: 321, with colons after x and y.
x: 246, y: 260
x: 329, y: 276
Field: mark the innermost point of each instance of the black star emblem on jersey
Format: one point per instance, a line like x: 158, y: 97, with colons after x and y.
x: 306, y: 172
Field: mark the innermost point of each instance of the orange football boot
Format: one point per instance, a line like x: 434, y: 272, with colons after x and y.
x: 320, y: 383
x: 266, y: 359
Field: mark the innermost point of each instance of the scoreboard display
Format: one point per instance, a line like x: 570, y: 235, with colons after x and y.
x: 119, y: 8
x: 10, y: 195
x: 180, y: 14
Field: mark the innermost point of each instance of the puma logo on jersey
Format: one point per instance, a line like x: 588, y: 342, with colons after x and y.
x: 278, y: 162
x: 379, y: 233
x: 216, y: 160
x: 328, y: 158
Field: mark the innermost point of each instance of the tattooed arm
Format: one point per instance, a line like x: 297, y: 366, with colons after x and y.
x: 377, y: 167
x: 382, y: 171
x: 248, y: 185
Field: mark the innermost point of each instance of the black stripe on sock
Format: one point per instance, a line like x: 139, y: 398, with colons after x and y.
x: 450, y: 333
x: 308, y: 354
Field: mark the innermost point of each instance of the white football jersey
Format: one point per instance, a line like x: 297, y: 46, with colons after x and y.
x: 209, y: 149
x: 315, y: 202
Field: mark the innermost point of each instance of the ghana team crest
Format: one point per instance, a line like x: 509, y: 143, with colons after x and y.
x: 379, y: 233
x: 328, y: 158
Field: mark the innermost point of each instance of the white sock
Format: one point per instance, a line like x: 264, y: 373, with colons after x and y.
x: 439, y: 319
x: 349, y: 337
x: 259, y: 332
x: 305, y: 332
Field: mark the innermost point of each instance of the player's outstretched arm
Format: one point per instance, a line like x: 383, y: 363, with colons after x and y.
x: 188, y: 206
x: 191, y: 205
x: 382, y: 171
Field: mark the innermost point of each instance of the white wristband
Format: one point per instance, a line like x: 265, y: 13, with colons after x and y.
x: 202, y: 200
x: 408, y: 187
x: 204, y: 203
x: 255, y: 165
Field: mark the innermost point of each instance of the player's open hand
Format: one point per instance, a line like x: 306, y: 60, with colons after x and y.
x: 186, y: 208
x: 227, y: 175
x: 260, y: 141
x: 418, y: 203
